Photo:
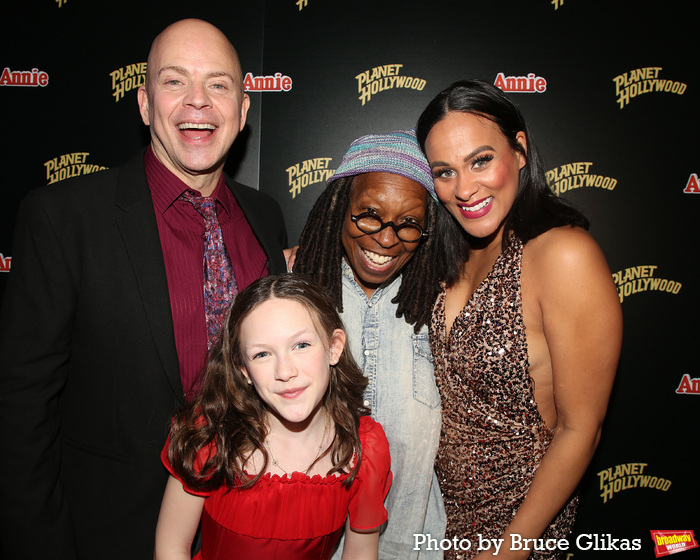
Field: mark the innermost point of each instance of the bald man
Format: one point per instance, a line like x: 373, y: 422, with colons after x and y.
x: 104, y: 332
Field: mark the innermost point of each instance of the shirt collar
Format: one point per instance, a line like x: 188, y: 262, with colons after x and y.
x: 349, y: 276
x: 166, y: 187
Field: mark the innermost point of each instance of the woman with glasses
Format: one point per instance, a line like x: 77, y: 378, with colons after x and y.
x: 370, y: 240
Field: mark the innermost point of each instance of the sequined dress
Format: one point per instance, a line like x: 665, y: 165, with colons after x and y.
x: 493, y: 437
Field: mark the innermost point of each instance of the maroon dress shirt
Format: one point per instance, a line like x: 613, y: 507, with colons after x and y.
x: 181, y: 230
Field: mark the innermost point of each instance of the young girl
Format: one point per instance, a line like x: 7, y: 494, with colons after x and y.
x: 277, y: 454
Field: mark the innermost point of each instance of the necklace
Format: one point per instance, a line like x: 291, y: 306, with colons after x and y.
x: 276, y: 463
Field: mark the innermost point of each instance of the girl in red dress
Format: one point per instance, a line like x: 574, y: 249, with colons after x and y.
x: 277, y: 455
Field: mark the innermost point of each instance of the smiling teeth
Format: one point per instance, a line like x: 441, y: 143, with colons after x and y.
x: 202, y: 126
x: 376, y: 258
x: 479, y: 206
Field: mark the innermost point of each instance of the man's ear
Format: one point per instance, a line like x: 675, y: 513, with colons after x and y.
x: 142, y: 97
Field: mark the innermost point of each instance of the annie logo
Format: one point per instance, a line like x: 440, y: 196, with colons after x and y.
x: 278, y: 82
x: 670, y: 542
x: 521, y: 84
x: 24, y: 78
x: 689, y: 386
x: 5, y: 263
x: 693, y: 185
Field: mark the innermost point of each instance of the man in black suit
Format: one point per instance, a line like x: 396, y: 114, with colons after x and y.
x: 103, y: 326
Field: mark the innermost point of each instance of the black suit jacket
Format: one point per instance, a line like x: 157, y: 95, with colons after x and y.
x: 90, y: 375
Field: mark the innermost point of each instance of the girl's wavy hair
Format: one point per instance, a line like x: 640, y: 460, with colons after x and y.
x: 227, y: 419
x: 536, y: 209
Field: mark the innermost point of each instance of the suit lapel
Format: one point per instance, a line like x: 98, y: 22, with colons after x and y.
x: 136, y: 220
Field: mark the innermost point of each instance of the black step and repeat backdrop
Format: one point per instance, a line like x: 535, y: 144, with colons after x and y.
x: 610, y: 90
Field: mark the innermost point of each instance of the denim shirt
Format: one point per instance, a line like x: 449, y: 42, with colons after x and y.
x: 404, y: 399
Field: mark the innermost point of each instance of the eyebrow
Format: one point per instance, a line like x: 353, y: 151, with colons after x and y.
x: 301, y: 333
x: 469, y: 156
x: 186, y: 72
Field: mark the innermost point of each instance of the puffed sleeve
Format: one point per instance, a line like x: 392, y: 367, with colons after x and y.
x: 366, y: 507
x: 202, y: 457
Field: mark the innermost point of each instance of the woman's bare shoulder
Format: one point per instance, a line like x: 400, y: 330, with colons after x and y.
x: 564, y: 250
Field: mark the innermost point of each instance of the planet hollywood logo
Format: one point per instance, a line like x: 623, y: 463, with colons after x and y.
x: 634, y: 83
x: 127, y: 78
x: 308, y: 172
x: 575, y: 175
x: 69, y: 165
x: 24, y: 78
x: 521, y: 84
x: 626, y: 476
x: 384, y: 78
x: 637, y: 279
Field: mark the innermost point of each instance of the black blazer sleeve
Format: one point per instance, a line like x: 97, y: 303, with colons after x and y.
x: 35, y: 324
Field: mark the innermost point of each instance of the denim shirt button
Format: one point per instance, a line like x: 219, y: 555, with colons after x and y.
x: 366, y: 352
x: 366, y: 403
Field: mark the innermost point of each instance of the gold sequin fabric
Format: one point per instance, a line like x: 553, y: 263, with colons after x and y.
x: 493, y: 437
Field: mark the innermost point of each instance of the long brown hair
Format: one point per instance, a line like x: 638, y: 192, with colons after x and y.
x: 227, y: 419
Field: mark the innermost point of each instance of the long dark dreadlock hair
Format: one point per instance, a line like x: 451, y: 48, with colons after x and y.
x: 321, y: 252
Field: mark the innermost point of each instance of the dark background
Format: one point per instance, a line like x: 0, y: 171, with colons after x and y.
x: 650, y: 147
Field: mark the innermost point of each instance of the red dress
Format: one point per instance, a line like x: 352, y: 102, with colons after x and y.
x: 297, y: 517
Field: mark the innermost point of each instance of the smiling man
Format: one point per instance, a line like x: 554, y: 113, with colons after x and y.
x: 128, y: 274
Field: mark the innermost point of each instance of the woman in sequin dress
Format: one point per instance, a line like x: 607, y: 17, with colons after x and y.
x: 526, y: 334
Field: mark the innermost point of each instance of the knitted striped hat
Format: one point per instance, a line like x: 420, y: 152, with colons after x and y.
x: 396, y: 152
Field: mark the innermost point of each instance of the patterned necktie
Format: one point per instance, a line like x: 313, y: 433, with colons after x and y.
x: 220, y: 286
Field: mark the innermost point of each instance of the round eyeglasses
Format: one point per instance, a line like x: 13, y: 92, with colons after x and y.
x: 369, y: 223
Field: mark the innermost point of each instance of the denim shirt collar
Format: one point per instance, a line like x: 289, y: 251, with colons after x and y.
x: 379, y: 293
